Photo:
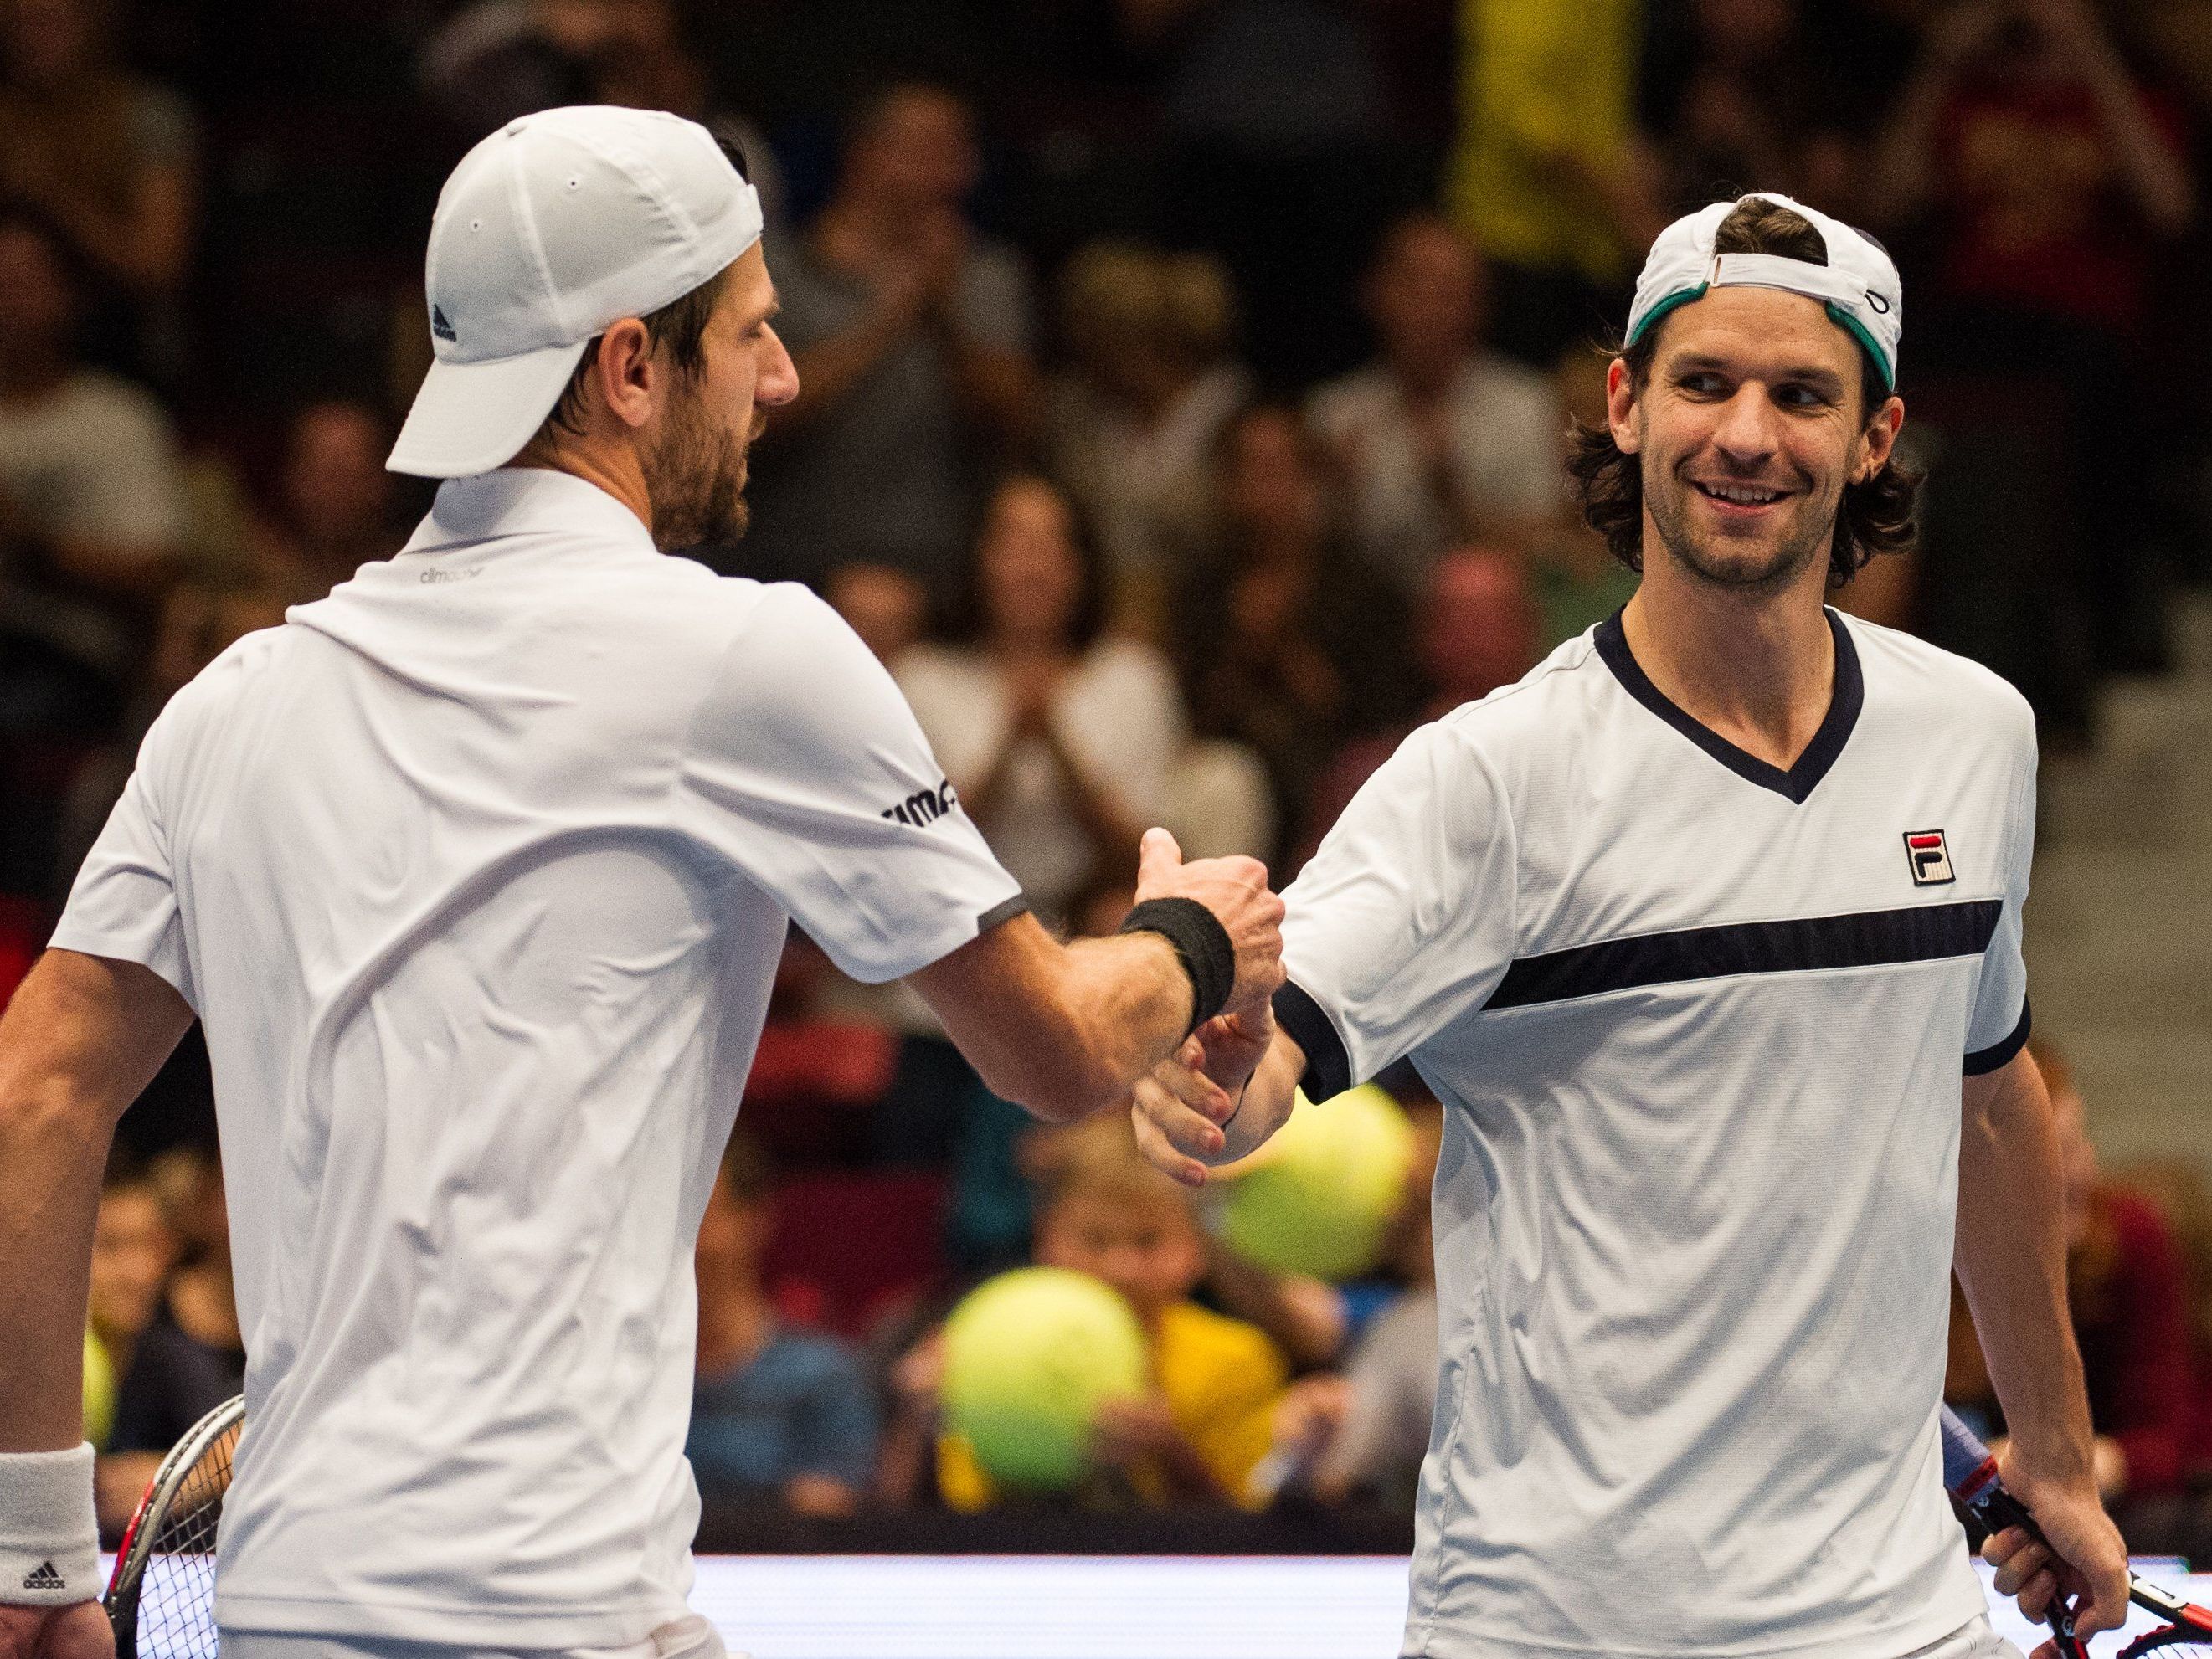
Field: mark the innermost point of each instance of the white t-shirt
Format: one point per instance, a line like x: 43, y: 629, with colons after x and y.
x: 1119, y: 714
x: 1506, y: 427
x: 477, y: 871
x: 1697, y: 1024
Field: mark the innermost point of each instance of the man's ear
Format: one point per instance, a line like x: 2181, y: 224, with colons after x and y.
x: 624, y: 374
x: 1879, y: 440
x: 1620, y: 407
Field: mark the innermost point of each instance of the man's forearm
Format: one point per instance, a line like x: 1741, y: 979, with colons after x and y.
x: 1132, y: 1000
x: 78, y: 1041
x: 2011, y: 1258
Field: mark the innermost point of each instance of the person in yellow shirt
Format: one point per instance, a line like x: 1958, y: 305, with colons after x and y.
x: 1216, y: 1380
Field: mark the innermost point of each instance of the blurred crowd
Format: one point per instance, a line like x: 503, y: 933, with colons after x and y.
x: 1184, y: 389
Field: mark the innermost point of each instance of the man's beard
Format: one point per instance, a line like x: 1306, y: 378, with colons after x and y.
x: 1811, y: 538
x: 695, y: 475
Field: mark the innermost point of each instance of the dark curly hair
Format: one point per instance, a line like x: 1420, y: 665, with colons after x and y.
x: 1876, y: 517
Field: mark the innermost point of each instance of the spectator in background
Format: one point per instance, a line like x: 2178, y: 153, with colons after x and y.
x: 1107, y: 1213
x: 775, y: 1413
x: 1057, y: 737
x: 1441, y: 440
x: 1476, y: 629
x: 911, y: 336
x: 1132, y: 427
x: 2127, y: 1287
x: 191, y: 1356
x: 887, y: 607
x: 1755, y: 98
x: 1543, y: 176
x: 2051, y: 183
x: 197, y: 622
x: 92, y: 501
x: 334, y: 508
x: 1573, y: 574
x: 1288, y: 645
x: 133, y: 1248
x: 1366, y: 1430
x: 109, y: 158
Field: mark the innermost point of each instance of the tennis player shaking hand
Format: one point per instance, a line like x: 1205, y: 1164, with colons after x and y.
x: 1707, y: 934
x: 475, y: 873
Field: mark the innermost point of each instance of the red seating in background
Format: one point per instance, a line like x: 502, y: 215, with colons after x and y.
x: 849, y: 1246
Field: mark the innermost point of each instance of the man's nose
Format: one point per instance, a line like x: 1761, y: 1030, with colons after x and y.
x: 779, y: 378
x: 1746, y: 432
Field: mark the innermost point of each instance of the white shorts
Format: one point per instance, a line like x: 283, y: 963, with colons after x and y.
x: 1975, y: 1641
x: 688, y: 1637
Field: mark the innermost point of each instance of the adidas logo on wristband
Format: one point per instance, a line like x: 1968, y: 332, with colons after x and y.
x: 46, y: 1578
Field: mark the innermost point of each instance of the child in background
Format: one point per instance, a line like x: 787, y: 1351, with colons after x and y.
x: 774, y: 1412
x: 1105, y: 1212
x: 1366, y: 1430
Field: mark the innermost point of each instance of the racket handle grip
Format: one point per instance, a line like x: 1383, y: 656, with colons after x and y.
x: 1969, y: 1471
x: 1971, y: 1474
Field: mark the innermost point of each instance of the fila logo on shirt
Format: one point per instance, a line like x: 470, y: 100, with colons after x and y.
x: 1931, y: 858
x: 924, y: 807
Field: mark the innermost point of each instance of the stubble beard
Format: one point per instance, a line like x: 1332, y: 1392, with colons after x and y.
x: 1809, y: 538
x: 695, y: 475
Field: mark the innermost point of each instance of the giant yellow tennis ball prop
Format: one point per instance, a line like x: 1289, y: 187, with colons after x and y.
x: 1030, y: 1357
x: 99, y: 1391
x: 1318, y: 1197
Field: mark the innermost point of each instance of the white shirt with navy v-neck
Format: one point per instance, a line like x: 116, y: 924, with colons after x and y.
x: 1698, y: 1024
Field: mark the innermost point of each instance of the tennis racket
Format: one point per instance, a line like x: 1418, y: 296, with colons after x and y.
x: 1972, y: 1474
x: 161, y: 1600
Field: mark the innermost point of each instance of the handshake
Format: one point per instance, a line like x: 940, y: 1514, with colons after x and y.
x: 1190, y: 1112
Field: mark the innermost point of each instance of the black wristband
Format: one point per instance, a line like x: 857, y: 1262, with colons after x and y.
x: 1201, y: 944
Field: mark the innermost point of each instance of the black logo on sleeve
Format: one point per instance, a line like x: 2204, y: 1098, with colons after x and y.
x: 924, y: 807
x: 1931, y: 858
x: 46, y: 1578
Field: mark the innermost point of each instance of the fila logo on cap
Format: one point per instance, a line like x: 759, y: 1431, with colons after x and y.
x: 1930, y: 857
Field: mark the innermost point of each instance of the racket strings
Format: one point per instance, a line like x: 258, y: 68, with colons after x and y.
x: 176, y: 1596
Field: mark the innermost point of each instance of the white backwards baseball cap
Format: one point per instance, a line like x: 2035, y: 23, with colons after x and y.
x: 1859, y: 284
x: 558, y: 225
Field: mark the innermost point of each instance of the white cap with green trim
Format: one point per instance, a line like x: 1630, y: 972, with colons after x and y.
x: 1859, y: 284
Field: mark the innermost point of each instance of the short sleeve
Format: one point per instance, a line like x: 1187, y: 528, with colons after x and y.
x: 806, y: 770
x: 123, y: 903
x: 1999, y: 1027
x: 1403, y: 922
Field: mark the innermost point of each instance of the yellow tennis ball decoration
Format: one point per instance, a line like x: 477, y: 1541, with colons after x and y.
x: 1319, y: 1197
x: 1030, y: 1357
x: 99, y: 1391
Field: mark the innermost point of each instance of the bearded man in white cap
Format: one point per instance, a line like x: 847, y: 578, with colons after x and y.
x: 476, y: 872
x: 1695, y: 930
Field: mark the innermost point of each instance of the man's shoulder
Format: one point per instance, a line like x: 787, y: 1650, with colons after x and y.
x: 1935, y: 686
x: 1531, y: 716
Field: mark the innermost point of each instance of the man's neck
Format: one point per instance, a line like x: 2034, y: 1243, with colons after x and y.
x: 1758, y: 668
x: 613, y: 469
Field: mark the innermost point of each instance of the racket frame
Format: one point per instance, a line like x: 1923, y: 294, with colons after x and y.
x: 121, y: 1600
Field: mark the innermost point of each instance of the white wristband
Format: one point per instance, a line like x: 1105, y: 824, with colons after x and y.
x: 49, y: 1535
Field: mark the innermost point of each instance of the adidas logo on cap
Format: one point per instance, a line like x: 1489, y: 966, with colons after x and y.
x: 46, y: 1578
x: 440, y: 327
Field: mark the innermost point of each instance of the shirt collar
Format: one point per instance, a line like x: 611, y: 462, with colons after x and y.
x: 520, y: 501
